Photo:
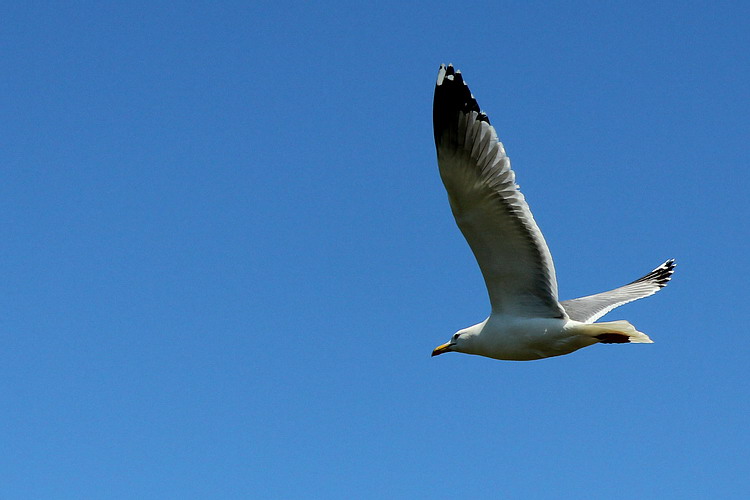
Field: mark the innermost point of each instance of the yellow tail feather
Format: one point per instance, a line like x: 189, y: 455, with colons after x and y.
x: 615, y: 332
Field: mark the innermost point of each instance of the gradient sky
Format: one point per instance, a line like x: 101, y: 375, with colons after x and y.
x: 227, y: 254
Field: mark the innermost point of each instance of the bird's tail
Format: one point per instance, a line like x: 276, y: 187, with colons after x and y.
x: 615, y: 332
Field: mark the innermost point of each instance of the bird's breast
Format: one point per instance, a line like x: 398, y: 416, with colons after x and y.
x: 523, y: 339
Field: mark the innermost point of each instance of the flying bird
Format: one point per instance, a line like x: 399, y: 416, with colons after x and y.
x: 527, y: 321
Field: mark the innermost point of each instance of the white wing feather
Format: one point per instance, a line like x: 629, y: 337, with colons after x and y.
x: 488, y: 207
x: 592, y: 307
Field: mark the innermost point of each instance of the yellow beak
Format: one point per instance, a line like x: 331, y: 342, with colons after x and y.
x: 442, y: 348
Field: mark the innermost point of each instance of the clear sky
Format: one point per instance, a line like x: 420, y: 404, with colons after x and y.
x: 227, y: 254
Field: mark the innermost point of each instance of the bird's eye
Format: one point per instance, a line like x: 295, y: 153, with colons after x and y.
x: 455, y: 337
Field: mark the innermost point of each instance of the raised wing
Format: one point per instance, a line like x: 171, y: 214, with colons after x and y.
x: 489, y: 209
x: 592, y: 307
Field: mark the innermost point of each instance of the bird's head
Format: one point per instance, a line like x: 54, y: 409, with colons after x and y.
x: 457, y: 343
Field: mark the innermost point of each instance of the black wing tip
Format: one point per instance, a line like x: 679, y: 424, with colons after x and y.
x: 661, y: 275
x: 444, y: 71
x: 454, y: 91
x: 452, y: 96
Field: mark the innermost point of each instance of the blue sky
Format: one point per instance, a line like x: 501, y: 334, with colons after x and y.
x: 227, y: 253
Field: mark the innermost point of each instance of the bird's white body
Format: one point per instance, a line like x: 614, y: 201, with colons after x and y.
x: 522, y: 339
x: 518, y: 338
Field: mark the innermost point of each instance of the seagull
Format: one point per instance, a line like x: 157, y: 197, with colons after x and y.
x: 527, y: 321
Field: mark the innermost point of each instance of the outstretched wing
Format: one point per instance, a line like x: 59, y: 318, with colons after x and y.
x: 592, y: 307
x: 488, y: 206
